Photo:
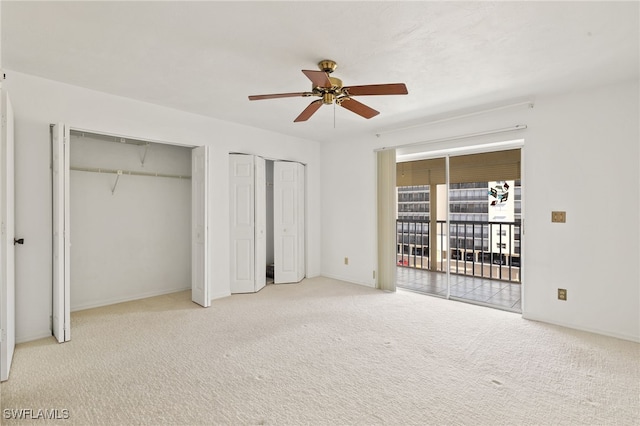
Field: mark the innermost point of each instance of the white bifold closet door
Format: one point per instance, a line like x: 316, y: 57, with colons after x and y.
x: 288, y: 218
x: 61, y: 310
x: 247, y: 211
x: 7, y: 264
x: 61, y: 315
x: 200, y: 226
x: 261, y: 222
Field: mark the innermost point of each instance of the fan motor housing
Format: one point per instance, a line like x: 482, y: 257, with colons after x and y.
x: 329, y: 94
x: 336, y: 86
x: 336, y: 83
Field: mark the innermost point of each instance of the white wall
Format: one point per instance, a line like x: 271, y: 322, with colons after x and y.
x: 349, y: 217
x: 580, y: 155
x: 39, y: 102
x: 583, y: 158
x: 136, y: 241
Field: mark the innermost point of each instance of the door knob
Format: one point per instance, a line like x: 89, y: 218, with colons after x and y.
x: 18, y: 241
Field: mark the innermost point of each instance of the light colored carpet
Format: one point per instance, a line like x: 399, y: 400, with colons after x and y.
x: 324, y: 352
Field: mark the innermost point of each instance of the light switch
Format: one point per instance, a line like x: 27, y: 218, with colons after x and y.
x: 559, y: 217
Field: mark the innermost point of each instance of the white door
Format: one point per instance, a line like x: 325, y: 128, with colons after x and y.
x: 261, y: 222
x: 7, y: 265
x: 242, y: 223
x: 61, y: 235
x: 199, y: 227
x: 288, y: 218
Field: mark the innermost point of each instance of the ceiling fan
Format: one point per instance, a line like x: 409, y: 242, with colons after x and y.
x: 331, y: 90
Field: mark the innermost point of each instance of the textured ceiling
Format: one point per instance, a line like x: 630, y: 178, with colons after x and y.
x: 207, y: 57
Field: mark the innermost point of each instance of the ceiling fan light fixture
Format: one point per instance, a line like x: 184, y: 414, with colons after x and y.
x: 327, y: 98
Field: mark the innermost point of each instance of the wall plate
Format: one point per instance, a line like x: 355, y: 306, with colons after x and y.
x: 559, y: 217
x: 562, y: 294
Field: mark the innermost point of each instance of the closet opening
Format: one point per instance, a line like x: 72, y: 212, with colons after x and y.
x: 130, y: 219
x: 267, y: 218
x: 135, y: 211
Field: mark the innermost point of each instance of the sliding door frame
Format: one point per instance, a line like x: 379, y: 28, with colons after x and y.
x: 478, y: 148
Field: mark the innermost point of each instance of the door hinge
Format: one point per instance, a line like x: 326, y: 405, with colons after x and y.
x: 3, y: 335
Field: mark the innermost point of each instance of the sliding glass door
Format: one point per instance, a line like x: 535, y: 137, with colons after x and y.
x: 459, y: 227
x: 484, y: 228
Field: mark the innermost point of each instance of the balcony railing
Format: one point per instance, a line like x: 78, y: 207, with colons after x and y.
x: 480, y: 249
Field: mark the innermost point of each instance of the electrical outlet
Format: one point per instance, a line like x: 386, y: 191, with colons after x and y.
x: 346, y: 260
x: 559, y: 217
x: 562, y: 294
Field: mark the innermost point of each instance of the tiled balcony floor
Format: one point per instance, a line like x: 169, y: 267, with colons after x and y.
x: 499, y: 294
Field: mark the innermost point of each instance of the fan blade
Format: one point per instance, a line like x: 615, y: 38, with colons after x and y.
x: 318, y: 78
x: 309, y: 111
x: 377, y: 89
x: 359, y: 108
x: 279, y: 95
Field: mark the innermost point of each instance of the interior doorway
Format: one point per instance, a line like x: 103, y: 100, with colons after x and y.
x: 137, y: 213
x: 459, y: 222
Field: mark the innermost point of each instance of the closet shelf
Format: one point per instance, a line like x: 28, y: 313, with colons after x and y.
x: 128, y: 172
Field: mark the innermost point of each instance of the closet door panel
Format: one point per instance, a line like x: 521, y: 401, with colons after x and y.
x: 199, y: 227
x: 288, y: 222
x: 242, y: 226
x: 301, y: 234
x: 61, y: 280
x: 261, y: 223
x: 7, y: 248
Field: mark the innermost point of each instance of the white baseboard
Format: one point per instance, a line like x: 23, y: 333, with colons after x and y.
x: 313, y: 275
x: 220, y: 295
x: 622, y: 336
x: 113, y: 301
x: 608, y: 333
x: 349, y: 280
x: 32, y: 337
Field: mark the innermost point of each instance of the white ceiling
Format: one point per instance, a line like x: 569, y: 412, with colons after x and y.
x: 207, y: 57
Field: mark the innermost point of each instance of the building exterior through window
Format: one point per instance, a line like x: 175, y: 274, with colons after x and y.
x: 484, y: 225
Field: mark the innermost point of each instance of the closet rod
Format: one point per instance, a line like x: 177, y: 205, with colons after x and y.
x: 127, y: 172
